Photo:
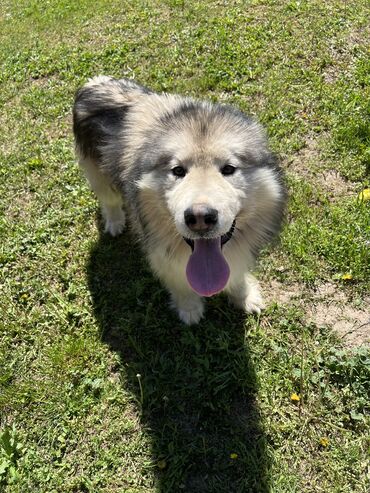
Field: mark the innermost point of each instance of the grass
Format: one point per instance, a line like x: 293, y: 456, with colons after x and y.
x: 101, y: 388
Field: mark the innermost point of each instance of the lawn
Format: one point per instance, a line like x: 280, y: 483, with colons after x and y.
x: 102, y: 389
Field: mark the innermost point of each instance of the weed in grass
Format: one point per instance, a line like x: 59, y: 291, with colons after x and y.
x: 10, y: 452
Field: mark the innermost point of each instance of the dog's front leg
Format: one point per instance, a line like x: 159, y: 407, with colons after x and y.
x: 189, y: 306
x: 245, y: 293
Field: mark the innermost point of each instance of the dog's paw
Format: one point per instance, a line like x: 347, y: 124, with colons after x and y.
x: 254, y: 305
x: 190, y: 317
x: 253, y: 302
x: 190, y: 311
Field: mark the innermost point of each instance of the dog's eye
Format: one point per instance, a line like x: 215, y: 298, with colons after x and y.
x: 179, y: 171
x: 228, y: 170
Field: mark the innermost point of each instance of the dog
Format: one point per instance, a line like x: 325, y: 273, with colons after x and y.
x: 202, y: 191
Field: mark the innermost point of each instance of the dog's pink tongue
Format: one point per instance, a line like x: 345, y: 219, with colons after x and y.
x: 207, y: 270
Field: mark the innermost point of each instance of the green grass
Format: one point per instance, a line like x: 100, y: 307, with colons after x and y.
x: 101, y: 388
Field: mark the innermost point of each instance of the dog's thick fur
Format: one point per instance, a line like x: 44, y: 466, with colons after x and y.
x: 129, y: 140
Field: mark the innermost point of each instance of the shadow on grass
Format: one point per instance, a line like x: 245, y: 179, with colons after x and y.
x: 198, y: 383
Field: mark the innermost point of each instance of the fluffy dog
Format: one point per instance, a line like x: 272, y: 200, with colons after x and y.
x: 202, y: 191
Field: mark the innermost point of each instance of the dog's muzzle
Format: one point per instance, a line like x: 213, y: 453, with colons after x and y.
x: 224, y: 238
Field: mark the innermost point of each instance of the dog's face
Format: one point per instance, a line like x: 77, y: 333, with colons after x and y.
x: 205, y: 195
x: 210, y: 171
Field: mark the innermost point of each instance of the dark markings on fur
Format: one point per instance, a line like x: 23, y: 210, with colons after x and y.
x: 185, y: 109
x: 163, y: 161
x: 99, y: 113
x: 202, y: 113
x: 186, y: 112
x: 95, y: 131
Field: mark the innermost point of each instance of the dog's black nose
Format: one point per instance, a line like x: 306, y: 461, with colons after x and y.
x: 200, y: 218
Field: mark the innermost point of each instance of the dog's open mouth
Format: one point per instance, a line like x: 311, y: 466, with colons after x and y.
x: 207, y: 271
x: 224, y: 238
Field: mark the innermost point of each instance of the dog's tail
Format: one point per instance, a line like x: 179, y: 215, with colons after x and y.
x: 99, y: 111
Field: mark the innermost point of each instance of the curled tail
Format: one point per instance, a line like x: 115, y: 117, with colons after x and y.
x: 99, y: 111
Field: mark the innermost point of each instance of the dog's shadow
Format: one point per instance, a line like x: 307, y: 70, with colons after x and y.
x: 195, y: 387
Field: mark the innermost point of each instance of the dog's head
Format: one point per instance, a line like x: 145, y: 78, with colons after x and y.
x: 212, y: 171
x: 210, y: 176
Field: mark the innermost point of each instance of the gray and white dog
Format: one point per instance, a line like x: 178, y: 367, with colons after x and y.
x: 202, y: 191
